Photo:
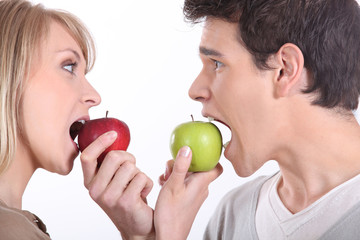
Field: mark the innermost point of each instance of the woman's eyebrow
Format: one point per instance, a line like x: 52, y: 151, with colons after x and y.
x: 77, y: 55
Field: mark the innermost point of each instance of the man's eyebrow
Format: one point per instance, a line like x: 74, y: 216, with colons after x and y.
x: 209, y: 52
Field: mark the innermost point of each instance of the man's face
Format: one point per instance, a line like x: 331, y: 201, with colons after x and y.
x: 235, y: 92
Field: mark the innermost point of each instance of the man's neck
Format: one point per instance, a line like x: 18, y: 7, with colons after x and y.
x: 321, y: 156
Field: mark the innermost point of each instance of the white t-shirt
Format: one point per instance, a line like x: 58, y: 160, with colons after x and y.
x: 275, y: 220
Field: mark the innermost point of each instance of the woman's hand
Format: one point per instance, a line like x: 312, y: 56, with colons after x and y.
x: 181, y: 196
x: 118, y: 187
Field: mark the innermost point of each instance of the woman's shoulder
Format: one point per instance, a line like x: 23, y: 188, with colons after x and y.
x: 19, y: 224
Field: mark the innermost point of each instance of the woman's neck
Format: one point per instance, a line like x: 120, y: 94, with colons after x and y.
x: 14, y: 180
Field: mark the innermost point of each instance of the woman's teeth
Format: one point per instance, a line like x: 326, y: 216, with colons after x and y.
x: 226, y: 144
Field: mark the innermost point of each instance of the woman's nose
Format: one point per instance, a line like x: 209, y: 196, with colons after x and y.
x: 91, y: 97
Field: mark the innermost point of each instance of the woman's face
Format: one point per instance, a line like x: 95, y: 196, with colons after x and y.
x: 56, y: 95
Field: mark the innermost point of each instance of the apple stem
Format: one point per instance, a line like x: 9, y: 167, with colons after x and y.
x: 192, y: 117
x: 106, y: 113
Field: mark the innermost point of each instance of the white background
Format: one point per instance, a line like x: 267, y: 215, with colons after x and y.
x: 147, y: 59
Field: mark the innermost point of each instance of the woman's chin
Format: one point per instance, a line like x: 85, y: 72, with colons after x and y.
x: 65, y: 169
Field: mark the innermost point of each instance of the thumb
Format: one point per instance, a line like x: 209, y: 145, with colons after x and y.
x: 181, y: 167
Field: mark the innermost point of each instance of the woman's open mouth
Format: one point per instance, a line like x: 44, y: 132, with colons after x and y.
x: 75, y: 128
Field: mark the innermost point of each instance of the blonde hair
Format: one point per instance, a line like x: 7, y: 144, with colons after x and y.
x: 22, y: 26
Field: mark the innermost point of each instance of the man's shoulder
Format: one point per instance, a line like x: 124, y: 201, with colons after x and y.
x: 347, y: 228
x: 234, y: 217
x: 244, y: 191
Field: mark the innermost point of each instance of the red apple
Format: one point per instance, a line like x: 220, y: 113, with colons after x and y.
x: 92, y: 129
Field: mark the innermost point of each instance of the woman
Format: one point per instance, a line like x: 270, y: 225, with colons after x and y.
x: 45, y: 55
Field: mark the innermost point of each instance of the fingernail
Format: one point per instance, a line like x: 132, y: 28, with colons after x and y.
x: 111, y: 135
x: 184, y: 151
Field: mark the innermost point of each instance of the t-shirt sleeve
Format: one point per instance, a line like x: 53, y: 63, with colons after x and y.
x: 234, y: 217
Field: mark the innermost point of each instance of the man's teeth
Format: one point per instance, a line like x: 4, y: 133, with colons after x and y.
x: 226, y: 144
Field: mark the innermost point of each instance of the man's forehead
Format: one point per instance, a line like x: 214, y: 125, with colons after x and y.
x: 217, y: 37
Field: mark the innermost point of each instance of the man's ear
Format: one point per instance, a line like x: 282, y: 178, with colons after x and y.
x: 289, y: 62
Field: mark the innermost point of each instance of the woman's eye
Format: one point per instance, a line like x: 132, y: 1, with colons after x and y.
x: 70, y: 67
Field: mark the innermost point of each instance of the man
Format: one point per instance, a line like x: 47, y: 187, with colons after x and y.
x: 284, y: 76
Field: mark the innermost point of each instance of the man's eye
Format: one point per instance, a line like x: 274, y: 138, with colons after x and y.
x: 218, y: 64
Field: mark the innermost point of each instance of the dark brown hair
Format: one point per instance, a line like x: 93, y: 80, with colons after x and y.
x: 326, y: 31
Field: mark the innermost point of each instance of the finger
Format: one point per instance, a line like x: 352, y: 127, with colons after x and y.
x: 147, y: 189
x: 161, y: 180
x: 205, y: 178
x: 114, y: 162
x: 169, y: 167
x: 140, y: 184
x: 211, y: 175
x: 181, y: 167
x: 90, y: 154
x: 120, y: 181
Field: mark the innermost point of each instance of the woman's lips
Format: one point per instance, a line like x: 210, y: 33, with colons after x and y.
x: 75, y: 146
x: 74, y: 130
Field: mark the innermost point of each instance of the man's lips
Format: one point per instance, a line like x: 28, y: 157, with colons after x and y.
x: 211, y: 118
x: 222, y: 123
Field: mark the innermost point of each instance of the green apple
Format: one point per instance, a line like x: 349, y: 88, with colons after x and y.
x: 205, y: 141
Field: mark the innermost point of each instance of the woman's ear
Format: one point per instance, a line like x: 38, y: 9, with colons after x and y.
x: 290, y: 63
